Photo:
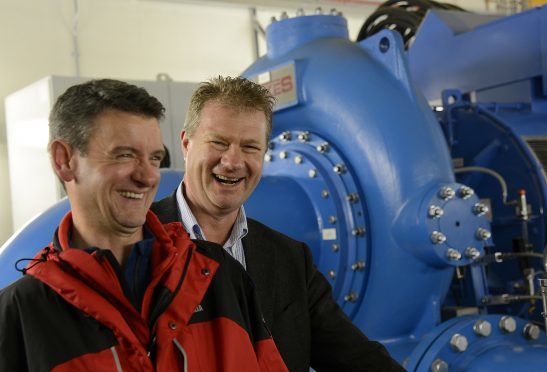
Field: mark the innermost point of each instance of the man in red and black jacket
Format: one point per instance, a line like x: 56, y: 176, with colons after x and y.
x: 117, y: 290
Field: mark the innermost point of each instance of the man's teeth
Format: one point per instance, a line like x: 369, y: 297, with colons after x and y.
x: 131, y: 195
x: 225, y: 179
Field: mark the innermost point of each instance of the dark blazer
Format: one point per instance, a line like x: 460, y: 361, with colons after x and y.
x: 307, y: 325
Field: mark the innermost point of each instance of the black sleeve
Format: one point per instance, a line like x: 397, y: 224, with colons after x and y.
x: 337, y: 344
x: 12, y: 351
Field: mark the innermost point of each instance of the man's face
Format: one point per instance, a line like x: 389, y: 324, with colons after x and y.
x: 115, y: 183
x: 223, y: 159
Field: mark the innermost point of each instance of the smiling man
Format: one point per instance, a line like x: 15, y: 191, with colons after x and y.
x: 224, y: 140
x: 116, y: 290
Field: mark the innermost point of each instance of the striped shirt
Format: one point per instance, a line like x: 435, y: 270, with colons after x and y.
x: 233, y: 245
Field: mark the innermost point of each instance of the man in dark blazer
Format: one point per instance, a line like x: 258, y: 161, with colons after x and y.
x: 224, y: 140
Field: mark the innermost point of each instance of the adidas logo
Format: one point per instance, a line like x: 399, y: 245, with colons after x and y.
x: 198, y: 309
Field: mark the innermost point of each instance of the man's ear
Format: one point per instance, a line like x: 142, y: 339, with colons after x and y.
x: 184, y: 143
x: 62, y: 159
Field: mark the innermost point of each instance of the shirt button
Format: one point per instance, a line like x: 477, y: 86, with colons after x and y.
x: 205, y: 271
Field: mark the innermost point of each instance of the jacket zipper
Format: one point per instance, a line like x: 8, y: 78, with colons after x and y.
x: 183, y: 354
x: 164, y: 303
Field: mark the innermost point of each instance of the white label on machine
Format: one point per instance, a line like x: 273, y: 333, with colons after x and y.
x: 281, y: 82
x: 329, y: 234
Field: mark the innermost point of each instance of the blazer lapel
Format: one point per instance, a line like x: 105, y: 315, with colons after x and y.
x: 260, y: 258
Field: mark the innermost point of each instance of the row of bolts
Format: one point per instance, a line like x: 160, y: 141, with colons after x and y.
x: 300, y: 12
x: 483, y: 328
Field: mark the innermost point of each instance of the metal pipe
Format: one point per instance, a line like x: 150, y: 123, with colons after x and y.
x: 76, y: 51
x: 492, y: 173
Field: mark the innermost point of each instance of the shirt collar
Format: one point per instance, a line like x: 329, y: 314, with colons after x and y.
x: 239, y: 230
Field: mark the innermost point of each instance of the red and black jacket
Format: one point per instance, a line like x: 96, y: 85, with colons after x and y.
x: 199, y: 312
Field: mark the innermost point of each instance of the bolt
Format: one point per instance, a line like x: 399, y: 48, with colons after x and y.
x: 438, y: 237
x: 459, y: 342
x: 284, y: 15
x: 439, y: 365
x: 300, y: 12
x: 435, y: 211
x: 332, y: 274
x: 453, y: 255
x: 358, y: 231
x: 273, y: 19
x: 339, y: 168
x: 285, y: 136
x: 483, y: 234
x: 333, y: 11
x: 332, y: 220
x: 322, y: 148
x: 268, y: 157
x: 298, y: 159
x: 466, y: 192
x: 446, y: 193
x: 325, y: 193
x: 351, y: 297
x: 312, y: 173
x: 353, y: 197
x: 335, y: 248
x: 480, y: 209
x: 318, y: 10
x: 482, y: 328
x: 531, y: 331
x: 472, y: 253
x: 283, y: 154
x: 507, y: 324
x: 358, y: 266
x: 304, y: 137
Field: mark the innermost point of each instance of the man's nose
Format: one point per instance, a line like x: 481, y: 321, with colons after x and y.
x: 232, y: 158
x: 146, y: 174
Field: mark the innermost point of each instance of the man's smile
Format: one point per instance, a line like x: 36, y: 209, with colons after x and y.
x: 227, y: 180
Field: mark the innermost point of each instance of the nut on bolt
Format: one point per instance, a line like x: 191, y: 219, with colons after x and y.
x: 358, y: 231
x: 332, y: 274
x: 352, y: 197
x: 453, y: 254
x: 480, y: 209
x: 350, y: 297
x: 283, y: 154
x: 304, y: 137
x: 472, y: 253
x: 483, y: 234
x: 268, y: 157
x: 312, y: 173
x: 507, y: 324
x: 531, y: 331
x: 439, y: 365
x: 466, y: 192
x: 339, y: 168
x: 435, y: 211
x: 358, y: 266
x: 482, y: 328
x: 298, y: 159
x: 459, y: 342
x: 285, y: 136
x: 446, y: 192
x: 322, y: 148
x: 438, y: 237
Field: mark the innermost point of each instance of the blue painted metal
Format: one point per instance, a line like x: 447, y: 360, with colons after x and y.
x: 38, y: 232
x: 358, y: 99
x: 499, y: 350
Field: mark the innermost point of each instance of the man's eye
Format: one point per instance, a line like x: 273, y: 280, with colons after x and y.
x: 219, y: 144
x: 251, y: 149
x: 125, y: 156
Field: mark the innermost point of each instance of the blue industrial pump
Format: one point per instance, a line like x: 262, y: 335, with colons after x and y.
x: 360, y: 169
